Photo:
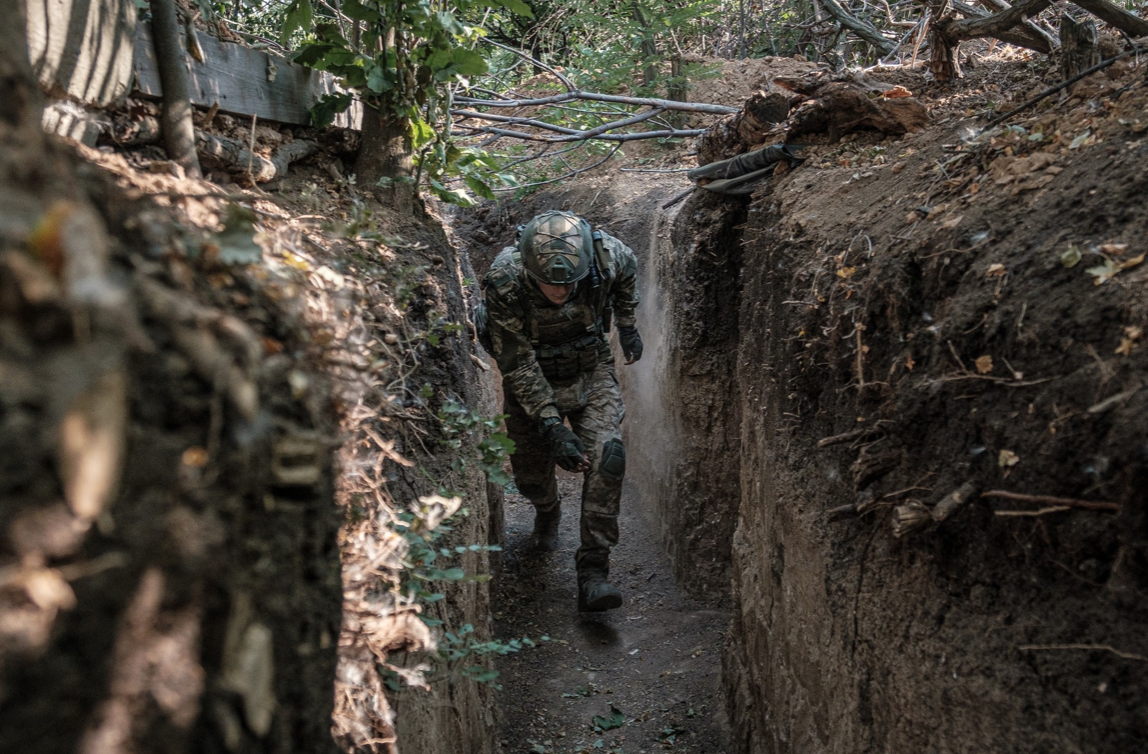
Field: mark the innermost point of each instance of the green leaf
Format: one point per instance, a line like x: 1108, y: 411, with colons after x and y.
x: 330, y: 33
x: 311, y: 55
x: 355, y: 10
x: 324, y: 111
x: 479, y: 186
x: 1071, y: 257
x: 516, y: 6
x: 420, y: 132
x: 616, y: 720
x: 448, y: 22
x: 379, y: 79
x: 468, y: 62
x: 299, y: 16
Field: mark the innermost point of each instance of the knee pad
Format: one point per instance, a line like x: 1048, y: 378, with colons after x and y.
x: 613, y: 464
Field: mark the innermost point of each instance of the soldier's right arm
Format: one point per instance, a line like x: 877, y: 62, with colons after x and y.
x: 515, y: 357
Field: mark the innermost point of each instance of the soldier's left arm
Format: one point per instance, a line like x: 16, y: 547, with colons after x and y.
x: 624, y: 291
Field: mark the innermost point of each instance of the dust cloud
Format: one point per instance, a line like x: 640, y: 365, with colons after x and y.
x: 650, y: 430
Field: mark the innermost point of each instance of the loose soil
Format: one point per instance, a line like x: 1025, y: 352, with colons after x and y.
x: 654, y: 661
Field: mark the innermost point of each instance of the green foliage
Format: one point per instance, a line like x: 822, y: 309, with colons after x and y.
x: 463, y: 646
x: 422, y: 527
x: 492, y: 447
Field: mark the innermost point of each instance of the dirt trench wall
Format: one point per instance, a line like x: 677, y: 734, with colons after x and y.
x: 681, y: 403
x: 982, y: 633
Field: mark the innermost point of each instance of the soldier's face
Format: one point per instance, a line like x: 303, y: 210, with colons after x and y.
x: 556, y: 294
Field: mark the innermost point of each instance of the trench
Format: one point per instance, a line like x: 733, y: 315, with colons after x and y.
x: 788, y: 378
x: 645, y: 677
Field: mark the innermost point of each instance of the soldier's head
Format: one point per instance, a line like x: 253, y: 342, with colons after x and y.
x: 556, y: 248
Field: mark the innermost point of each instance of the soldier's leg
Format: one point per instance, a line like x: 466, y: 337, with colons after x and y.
x: 533, y: 468
x: 599, y: 427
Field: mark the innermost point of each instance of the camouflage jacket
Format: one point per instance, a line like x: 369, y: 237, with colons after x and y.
x: 539, y: 346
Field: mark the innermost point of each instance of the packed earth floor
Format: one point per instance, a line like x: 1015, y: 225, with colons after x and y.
x: 643, y: 678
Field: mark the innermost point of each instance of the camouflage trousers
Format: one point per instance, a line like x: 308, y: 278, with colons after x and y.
x: 593, y: 405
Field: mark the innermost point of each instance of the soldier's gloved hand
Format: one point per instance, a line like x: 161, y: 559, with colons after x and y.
x: 631, y: 343
x: 567, y: 449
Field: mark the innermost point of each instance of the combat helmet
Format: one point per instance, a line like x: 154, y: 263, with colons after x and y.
x: 556, y: 248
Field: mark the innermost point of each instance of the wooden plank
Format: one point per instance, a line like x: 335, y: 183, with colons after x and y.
x: 83, y: 49
x: 243, y: 81
x: 67, y: 119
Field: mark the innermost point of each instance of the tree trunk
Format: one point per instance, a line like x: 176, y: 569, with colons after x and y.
x: 385, y: 165
x: 178, y: 131
x: 945, y: 63
x: 22, y: 105
x: 648, y: 48
x: 1079, y: 48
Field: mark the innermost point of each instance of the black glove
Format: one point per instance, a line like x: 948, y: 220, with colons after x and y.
x: 565, y: 446
x: 631, y: 343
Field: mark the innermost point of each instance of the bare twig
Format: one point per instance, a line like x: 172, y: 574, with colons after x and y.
x: 1038, y: 512
x: 679, y: 197
x: 694, y: 107
x: 571, y: 174
x: 1085, y: 647
x: 857, y: 434
x: 1095, y: 505
x: 569, y: 134
x: 533, y: 61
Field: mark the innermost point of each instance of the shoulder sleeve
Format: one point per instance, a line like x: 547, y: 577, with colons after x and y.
x: 509, y: 335
x: 624, y: 291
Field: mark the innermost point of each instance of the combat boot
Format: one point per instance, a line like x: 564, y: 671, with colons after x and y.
x: 546, y: 530
x: 595, y: 592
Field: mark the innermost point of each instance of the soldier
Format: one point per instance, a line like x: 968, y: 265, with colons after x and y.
x: 549, y: 301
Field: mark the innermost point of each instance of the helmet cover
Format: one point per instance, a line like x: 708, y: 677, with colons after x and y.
x: 556, y: 248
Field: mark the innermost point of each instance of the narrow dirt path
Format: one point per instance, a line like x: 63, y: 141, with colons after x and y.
x: 648, y: 673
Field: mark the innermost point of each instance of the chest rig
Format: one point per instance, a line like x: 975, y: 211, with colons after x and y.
x: 566, y: 339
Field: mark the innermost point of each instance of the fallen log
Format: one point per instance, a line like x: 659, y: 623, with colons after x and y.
x: 1028, y: 26
x: 235, y: 157
x: 746, y: 130
x: 840, y: 107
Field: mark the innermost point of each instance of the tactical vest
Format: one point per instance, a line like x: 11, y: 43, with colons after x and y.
x: 564, y: 347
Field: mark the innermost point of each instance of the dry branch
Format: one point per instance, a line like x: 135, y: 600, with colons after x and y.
x: 569, y: 134
x: 955, y: 499
x: 1111, y: 14
x: 857, y: 434
x: 862, y: 29
x: 1086, y: 647
x: 693, y: 107
x: 1027, y: 35
x: 1069, y: 502
x: 991, y: 26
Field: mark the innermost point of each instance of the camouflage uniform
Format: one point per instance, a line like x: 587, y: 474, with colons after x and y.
x: 556, y: 362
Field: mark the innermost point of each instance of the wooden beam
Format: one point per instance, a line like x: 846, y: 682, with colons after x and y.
x: 244, y: 82
x: 82, y: 49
